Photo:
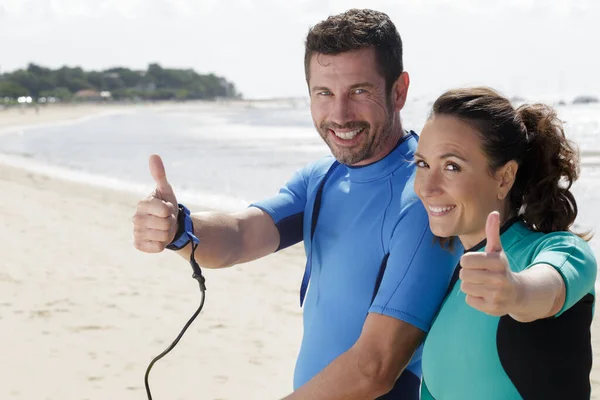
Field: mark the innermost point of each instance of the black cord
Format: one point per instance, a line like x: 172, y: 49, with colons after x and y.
x: 198, y: 276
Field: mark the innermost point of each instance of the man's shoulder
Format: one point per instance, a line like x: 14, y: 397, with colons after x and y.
x: 319, y: 168
x: 404, y: 199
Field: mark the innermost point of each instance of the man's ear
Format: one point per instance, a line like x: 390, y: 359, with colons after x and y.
x: 400, y: 91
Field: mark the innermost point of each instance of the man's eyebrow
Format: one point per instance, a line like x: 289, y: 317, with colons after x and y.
x: 319, y: 89
x: 362, y: 84
x: 356, y: 85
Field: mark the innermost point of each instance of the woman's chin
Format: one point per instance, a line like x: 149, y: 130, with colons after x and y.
x: 441, y: 232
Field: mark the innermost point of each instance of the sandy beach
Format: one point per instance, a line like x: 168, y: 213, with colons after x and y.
x: 82, y: 312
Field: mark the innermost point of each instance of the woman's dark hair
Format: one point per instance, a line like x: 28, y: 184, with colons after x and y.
x: 357, y: 29
x: 533, y: 136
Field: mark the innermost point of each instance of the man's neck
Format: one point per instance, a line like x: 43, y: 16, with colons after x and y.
x: 396, y: 135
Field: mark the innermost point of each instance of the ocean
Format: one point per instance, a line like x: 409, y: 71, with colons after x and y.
x: 226, y: 155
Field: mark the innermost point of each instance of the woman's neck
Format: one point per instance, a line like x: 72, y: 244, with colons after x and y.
x: 473, y: 239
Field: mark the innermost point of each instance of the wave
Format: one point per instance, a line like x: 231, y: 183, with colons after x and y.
x: 199, y: 199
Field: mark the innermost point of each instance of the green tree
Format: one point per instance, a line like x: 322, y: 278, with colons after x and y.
x: 156, y: 83
x: 12, y: 89
x: 60, y: 93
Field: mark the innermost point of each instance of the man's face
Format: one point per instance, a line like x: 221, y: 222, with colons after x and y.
x: 350, y: 108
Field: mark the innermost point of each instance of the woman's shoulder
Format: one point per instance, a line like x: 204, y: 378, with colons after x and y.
x: 563, y: 240
x: 529, y: 246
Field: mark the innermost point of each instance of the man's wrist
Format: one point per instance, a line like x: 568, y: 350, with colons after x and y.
x: 185, y: 230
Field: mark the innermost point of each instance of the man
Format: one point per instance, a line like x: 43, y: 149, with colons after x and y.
x: 377, y: 276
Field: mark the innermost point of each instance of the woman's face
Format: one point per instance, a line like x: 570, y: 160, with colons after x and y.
x: 454, y: 181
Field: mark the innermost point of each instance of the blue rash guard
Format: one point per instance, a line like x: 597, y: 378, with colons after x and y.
x: 372, y: 251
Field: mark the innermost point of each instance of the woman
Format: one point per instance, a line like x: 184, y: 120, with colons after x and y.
x: 516, y: 321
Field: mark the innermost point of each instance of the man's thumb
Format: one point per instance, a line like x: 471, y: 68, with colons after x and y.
x: 492, y: 233
x: 157, y: 170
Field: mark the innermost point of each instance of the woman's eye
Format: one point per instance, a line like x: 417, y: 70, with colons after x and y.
x: 452, y: 167
x: 421, y: 164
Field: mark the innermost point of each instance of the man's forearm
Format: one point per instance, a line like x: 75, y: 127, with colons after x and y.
x: 220, y: 240
x: 370, y: 368
x: 348, y: 377
x: 229, y: 239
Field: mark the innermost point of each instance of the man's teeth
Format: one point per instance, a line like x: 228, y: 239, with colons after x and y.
x: 440, y: 209
x: 347, y: 135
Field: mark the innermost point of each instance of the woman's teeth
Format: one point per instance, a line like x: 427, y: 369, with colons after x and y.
x: 440, y: 209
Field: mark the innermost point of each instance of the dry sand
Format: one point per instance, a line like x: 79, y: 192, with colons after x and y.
x: 82, y: 312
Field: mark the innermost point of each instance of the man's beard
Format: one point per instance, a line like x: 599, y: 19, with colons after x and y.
x: 373, y: 139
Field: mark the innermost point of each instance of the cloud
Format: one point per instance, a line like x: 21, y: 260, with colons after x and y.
x: 258, y: 44
x: 66, y: 9
x: 313, y: 10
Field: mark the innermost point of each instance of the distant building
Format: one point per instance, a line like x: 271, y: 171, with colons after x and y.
x: 585, y: 100
x: 91, y: 95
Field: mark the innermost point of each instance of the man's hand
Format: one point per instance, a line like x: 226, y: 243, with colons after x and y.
x: 155, y: 221
x: 487, y: 279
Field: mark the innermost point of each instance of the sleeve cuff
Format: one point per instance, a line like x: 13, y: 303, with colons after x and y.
x: 401, y: 315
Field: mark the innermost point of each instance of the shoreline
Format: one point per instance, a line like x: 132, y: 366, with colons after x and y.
x: 21, y: 118
x: 27, y: 117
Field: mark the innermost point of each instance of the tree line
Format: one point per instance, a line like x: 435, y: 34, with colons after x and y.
x: 155, y: 83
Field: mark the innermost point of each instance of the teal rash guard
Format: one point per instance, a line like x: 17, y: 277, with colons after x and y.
x: 470, y: 355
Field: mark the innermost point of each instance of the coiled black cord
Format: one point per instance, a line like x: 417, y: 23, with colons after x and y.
x: 198, y: 276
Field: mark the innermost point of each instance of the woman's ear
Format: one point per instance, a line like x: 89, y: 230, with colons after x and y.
x: 506, y: 176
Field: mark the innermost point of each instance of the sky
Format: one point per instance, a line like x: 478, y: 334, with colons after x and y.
x: 529, y: 48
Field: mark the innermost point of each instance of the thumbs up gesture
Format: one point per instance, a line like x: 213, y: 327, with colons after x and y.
x: 155, y: 220
x: 487, y: 280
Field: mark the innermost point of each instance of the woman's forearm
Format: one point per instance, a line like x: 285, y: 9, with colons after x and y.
x: 542, y: 293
